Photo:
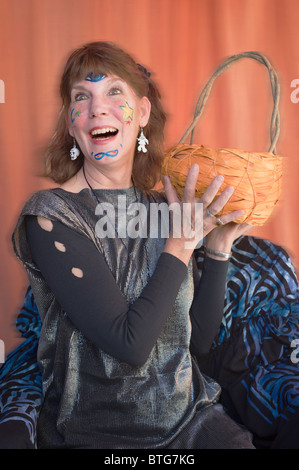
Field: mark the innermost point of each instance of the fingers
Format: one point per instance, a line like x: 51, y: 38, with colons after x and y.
x: 211, y: 205
x: 214, y: 206
x: 170, y: 191
x: 190, y: 185
x: 211, y: 192
x: 226, y: 219
x: 208, y: 199
x: 189, y: 190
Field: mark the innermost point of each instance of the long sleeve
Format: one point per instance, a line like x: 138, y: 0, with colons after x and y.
x: 207, y: 307
x: 82, y: 283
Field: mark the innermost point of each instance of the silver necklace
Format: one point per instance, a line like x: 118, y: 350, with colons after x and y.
x: 144, y: 282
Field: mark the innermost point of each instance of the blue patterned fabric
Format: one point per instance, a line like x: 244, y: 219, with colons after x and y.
x: 20, y: 378
x: 251, y: 357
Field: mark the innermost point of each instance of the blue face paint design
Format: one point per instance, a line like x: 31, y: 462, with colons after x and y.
x: 77, y: 113
x: 99, y: 156
x: 96, y: 78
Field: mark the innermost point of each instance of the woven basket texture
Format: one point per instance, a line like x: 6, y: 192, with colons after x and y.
x: 256, y: 176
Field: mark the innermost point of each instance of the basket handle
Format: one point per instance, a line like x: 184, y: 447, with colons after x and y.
x: 275, y: 119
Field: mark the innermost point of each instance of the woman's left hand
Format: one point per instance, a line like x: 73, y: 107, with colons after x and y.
x: 221, y: 238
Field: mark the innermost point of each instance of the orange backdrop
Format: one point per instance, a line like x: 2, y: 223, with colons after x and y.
x: 181, y: 42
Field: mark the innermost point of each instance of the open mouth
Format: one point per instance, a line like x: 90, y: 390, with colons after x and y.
x: 103, y: 133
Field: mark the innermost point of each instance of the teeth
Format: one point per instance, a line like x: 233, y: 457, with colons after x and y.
x: 103, y: 131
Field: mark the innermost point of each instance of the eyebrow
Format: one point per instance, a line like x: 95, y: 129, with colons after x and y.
x: 78, y: 88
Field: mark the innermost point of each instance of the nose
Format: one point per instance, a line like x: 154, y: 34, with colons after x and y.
x: 98, y: 107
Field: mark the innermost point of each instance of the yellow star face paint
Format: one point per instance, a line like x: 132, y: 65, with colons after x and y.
x: 128, y: 113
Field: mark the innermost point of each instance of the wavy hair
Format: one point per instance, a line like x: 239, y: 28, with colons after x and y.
x: 107, y: 58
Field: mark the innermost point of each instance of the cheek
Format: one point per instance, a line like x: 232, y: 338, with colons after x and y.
x: 118, y: 113
x: 126, y: 112
x: 76, y: 116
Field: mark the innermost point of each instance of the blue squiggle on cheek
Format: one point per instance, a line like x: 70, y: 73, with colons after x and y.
x: 100, y: 155
x: 78, y: 113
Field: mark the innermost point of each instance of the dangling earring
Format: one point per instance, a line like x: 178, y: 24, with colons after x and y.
x: 142, y: 141
x: 74, y: 152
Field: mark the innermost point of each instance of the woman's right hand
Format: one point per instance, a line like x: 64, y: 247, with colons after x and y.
x: 195, y: 221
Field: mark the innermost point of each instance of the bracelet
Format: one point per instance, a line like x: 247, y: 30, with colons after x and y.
x: 221, y: 254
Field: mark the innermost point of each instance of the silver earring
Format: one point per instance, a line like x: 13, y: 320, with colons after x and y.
x: 142, y: 141
x: 74, y: 152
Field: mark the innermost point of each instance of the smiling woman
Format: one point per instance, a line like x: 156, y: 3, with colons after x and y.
x: 87, y: 70
x: 114, y: 349
x: 98, y: 120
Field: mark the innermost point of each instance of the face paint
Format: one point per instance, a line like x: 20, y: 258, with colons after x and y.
x: 77, y: 113
x: 128, y: 113
x: 96, y: 78
x: 100, y: 155
x: 72, y: 112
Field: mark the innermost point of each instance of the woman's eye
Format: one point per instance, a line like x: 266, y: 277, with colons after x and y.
x: 80, y: 97
x: 115, y: 91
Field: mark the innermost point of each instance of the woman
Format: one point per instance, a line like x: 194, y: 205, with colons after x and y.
x: 114, y: 346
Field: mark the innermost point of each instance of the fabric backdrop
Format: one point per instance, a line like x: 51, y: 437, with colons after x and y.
x: 181, y: 42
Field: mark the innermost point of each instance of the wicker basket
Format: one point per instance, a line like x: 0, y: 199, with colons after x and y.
x: 256, y: 177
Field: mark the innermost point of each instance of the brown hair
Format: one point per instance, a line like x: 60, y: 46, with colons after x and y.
x: 107, y: 58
